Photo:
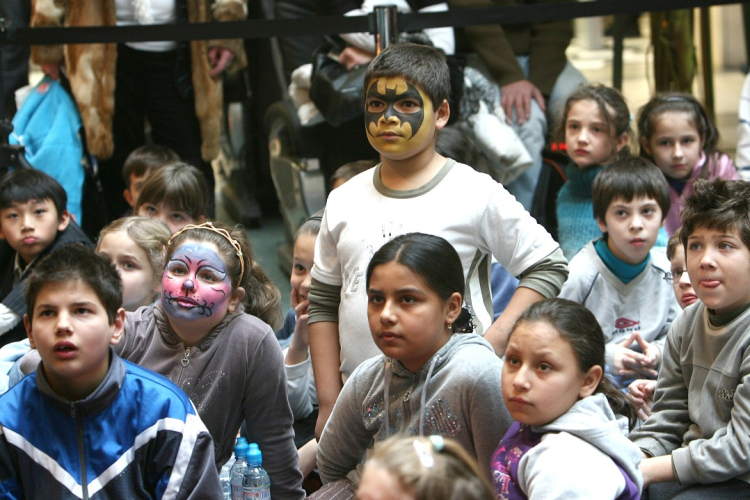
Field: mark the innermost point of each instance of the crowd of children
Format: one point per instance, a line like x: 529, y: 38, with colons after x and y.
x: 129, y: 370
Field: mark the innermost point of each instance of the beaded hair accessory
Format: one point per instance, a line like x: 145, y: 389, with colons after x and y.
x: 221, y: 232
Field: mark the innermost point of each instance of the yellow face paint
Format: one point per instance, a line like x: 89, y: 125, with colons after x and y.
x: 399, y: 117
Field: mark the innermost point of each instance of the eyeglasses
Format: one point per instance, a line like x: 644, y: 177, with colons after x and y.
x: 674, y: 276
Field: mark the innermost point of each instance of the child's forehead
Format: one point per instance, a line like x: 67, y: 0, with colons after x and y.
x: 396, y: 83
x: 29, y: 204
x: 199, y: 249
x: 634, y: 201
x: 68, y: 291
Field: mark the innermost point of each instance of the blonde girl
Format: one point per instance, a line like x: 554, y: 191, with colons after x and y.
x: 211, y: 333
x: 177, y: 194
x: 135, y: 246
x: 596, y: 129
x: 422, y: 468
x: 675, y: 132
x: 570, y: 438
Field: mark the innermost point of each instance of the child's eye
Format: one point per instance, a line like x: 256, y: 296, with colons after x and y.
x: 621, y: 213
x: 545, y: 367
x: 725, y: 246
x: 11, y: 215
x: 512, y: 360
x: 572, y: 126
x: 694, y: 246
x: 409, y: 106
x: 408, y: 299
x: 677, y: 273
x: 40, y: 211
x: 82, y: 311
x: 129, y: 266
x: 598, y: 130
x: 45, y: 313
x: 300, y: 268
x: 375, y: 105
x: 648, y: 211
x: 178, y: 216
x: 177, y: 270
x: 375, y: 299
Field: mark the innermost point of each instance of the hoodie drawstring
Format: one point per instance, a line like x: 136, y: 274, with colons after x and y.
x: 424, y: 394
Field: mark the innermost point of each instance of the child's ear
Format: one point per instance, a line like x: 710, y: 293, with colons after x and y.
x: 590, y: 381
x: 646, y: 146
x: 118, y: 327
x: 236, y: 299
x: 622, y: 141
x: 454, y: 307
x: 442, y: 114
x: 63, y: 221
x: 128, y: 197
x: 27, y: 325
x: 602, y: 225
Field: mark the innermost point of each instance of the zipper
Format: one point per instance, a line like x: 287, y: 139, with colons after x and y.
x: 184, y: 362
x: 81, y: 451
x: 186, y: 357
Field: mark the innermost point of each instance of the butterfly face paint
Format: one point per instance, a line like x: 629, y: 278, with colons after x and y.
x: 397, y: 116
x: 196, y: 286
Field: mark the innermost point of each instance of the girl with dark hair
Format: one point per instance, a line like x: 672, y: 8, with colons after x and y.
x: 676, y: 133
x: 569, y: 416
x: 430, y: 379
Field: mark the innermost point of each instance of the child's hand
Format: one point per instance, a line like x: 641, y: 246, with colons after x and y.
x: 651, y: 352
x: 629, y: 363
x: 298, y: 347
x: 641, y: 393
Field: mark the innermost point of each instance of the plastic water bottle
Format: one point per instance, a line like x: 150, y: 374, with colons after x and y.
x: 257, y: 484
x: 237, y: 473
x: 225, y: 478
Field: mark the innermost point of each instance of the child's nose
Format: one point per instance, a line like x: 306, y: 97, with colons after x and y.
x: 305, y: 285
x: 387, y: 315
x: 27, y: 221
x: 188, y: 284
x: 684, y: 279
x: 521, y: 379
x: 677, y: 152
x: 63, y: 326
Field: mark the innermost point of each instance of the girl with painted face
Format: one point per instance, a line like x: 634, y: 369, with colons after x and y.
x: 569, y: 417
x: 676, y: 133
x: 135, y: 246
x: 430, y: 379
x: 209, y: 333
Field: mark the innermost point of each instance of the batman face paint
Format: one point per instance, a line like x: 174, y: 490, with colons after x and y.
x: 397, y: 116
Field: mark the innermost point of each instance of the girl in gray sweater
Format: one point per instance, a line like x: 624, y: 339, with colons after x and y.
x: 431, y: 379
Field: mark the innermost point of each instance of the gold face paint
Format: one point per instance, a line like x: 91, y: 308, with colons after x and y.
x: 397, y: 116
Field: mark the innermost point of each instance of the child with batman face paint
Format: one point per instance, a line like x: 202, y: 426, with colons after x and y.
x: 415, y: 189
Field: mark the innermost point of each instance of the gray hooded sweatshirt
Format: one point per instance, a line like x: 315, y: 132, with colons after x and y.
x: 577, y: 455
x: 456, y: 394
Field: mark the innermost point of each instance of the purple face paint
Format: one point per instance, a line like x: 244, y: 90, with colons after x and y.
x: 195, y: 285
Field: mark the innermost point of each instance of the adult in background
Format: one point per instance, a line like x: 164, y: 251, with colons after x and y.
x: 176, y: 86
x: 528, y: 64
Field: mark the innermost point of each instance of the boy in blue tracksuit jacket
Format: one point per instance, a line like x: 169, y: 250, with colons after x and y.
x: 88, y: 424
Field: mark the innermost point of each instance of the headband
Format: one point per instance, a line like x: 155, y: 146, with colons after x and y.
x: 223, y: 233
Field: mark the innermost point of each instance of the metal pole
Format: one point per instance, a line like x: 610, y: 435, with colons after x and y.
x: 386, y: 26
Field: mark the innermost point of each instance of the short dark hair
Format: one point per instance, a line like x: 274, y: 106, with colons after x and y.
x: 145, y: 158
x: 74, y: 262
x: 674, y: 240
x: 626, y: 178
x: 421, y: 65
x: 25, y: 184
x: 717, y: 204
x: 181, y: 186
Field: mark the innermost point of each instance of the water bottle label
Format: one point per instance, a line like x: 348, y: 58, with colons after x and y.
x: 237, y: 493
x: 258, y: 495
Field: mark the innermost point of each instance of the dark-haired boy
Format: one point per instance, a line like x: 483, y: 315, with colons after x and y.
x: 416, y: 189
x: 617, y: 276
x: 33, y: 222
x: 87, y: 424
x: 699, y: 428
x: 138, y: 166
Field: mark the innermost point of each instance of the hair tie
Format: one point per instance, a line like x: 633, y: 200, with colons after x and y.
x: 221, y: 232
x: 437, y: 442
